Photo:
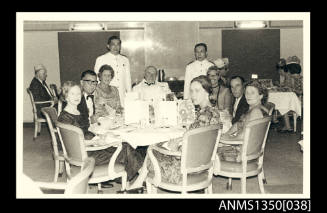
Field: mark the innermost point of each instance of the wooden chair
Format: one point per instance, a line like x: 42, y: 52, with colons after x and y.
x: 78, y: 184
x: 60, y: 104
x: 54, y: 89
x: 197, y: 157
x: 72, y: 141
x: 254, y: 142
x: 50, y: 114
x: 36, y: 119
x: 270, y: 106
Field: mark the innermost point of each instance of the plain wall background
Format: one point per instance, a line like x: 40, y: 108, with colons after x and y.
x: 166, y: 45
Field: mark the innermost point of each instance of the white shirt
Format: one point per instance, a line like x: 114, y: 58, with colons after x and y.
x: 237, y: 101
x: 121, y: 67
x: 193, y: 70
x: 154, y: 91
x: 89, y: 104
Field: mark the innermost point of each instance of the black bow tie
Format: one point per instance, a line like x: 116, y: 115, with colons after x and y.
x: 149, y: 84
x: 90, y: 96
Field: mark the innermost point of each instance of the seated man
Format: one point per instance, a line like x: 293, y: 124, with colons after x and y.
x: 40, y: 89
x: 149, y: 88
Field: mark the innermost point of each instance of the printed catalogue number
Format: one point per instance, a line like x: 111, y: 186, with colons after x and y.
x: 266, y: 205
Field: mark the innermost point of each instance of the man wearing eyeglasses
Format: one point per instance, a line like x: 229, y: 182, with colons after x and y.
x: 88, y: 85
x: 119, y: 63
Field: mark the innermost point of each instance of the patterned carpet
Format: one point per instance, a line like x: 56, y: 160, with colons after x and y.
x: 283, y: 165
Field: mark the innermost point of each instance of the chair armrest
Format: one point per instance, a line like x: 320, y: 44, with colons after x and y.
x: 49, y: 185
x: 44, y: 102
x: 231, y: 142
x: 166, y: 152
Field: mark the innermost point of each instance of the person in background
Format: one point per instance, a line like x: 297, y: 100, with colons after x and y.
x: 239, y: 104
x: 106, y: 97
x: 196, y: 68
x: 200, y: 89
x: 282, y: 70
x: 120, y: 64
x: 294, y: 69
x: 223, y: 67
x: 256, y: 96
x: 149, y: 88
x: 129, y: 157
x: 40, y: 89
x: 220, y: 96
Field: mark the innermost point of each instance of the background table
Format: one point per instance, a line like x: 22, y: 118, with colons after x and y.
x: 285, y: 101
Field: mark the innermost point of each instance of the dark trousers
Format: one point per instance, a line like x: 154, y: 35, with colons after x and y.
x: 131, y: 158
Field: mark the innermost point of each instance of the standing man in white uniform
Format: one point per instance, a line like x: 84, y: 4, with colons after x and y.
x: 119, y: 63
x: 196, y: 68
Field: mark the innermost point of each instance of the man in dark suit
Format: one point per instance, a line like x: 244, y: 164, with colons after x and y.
x: 239, y: 104
x: 40, y: 89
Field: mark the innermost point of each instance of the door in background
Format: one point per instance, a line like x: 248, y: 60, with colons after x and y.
x: 252, y: 52
x: 79, y: 50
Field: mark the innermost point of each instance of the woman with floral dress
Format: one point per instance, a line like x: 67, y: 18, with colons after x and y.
x: 200, y: 89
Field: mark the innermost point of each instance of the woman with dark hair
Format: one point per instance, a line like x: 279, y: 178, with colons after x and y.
x: 129, y: 157
x: 221, y: 95
x: 200, y: 90
x: 106, y: 97
x: 256, y: 97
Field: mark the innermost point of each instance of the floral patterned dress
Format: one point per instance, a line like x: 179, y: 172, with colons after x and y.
x: 170, y: 166
x: 106, y: 101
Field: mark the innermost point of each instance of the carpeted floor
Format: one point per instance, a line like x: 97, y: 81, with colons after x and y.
x: 283, y: 164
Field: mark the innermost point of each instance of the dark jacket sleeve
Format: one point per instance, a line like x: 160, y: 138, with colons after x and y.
x: 242, y: 108
x: 38, y: 91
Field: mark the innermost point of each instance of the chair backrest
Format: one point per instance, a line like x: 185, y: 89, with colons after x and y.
x: 59, y: 106
x: 72, y: 141
x: 270, y: 106
x: 255, y: 136
x: 50, y: 114
x: 199, y: 148
x: 54, y: 89
x: 79, y: 183
x: 32, y: 102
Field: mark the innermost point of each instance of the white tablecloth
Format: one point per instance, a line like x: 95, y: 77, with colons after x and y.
x: 137, y: 136
x: 285, y: 101
x: 149, y: 136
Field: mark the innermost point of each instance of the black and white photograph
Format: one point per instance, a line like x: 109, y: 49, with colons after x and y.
x: 163, y: 105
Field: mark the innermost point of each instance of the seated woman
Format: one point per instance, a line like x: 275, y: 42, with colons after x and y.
x: 221, y: 95
x: 200, y: 89
x: 132, y: 159
x: 296, y: 85
x: 256, y: 96
x: 282, y: 70
x: 106, y: 97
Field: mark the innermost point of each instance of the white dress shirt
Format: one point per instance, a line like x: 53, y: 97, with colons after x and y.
x: 195, y: 69
x: 121, y: 67
x: 155, y: 91
x: 89, y: 103
x: 237, y: 101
